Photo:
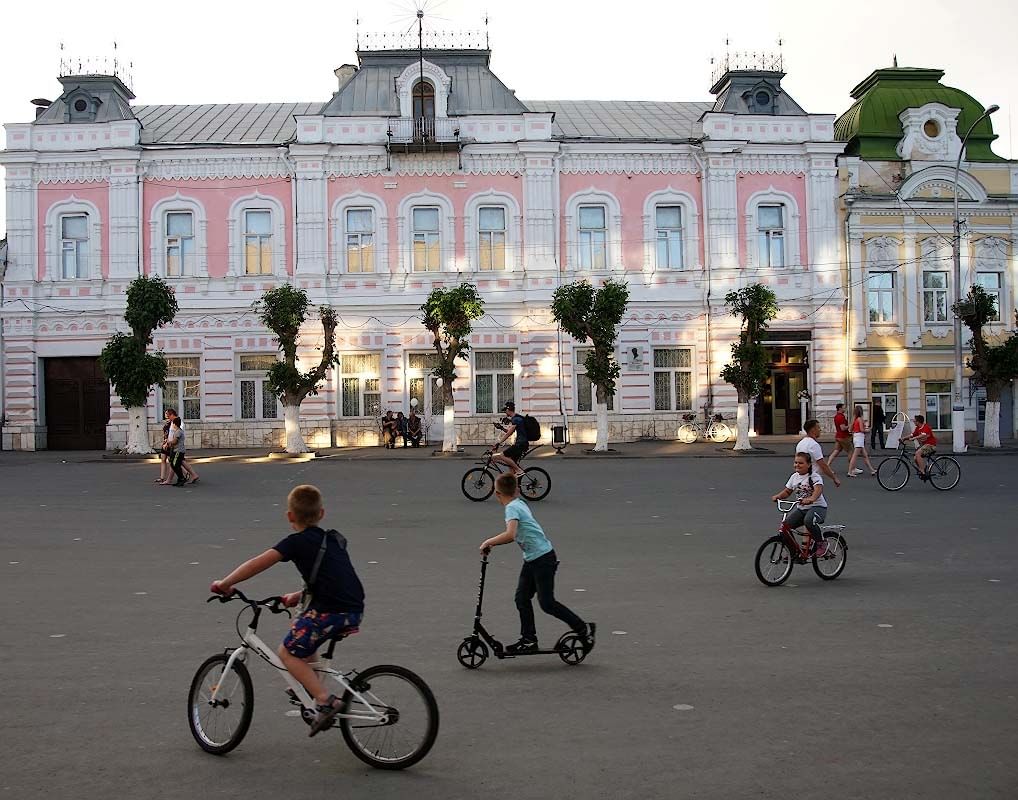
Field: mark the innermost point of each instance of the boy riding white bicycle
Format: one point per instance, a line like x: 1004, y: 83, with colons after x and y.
x: 333, y: 595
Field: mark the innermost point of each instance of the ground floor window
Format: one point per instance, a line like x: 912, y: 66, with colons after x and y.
x: 887, y: 394
x: 494, y: 380
x: 182, y: 388
x: 255, y: 399
x: 938, y: 405
x: 673, y: 379
x: 420, y: 376
x: 585, y: 391
x: 360, y: 376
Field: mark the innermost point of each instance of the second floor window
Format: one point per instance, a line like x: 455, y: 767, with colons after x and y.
x: 179, y: 244
x: 880, y: 297
x: 360, y: 240
x: 934, y: 296
x: 258, y: 242
x: 427, y: 242
x: 593, y: 237
x: 74, y: 246
x: 491, y: 237
x: 668, y: 221
x: 494, y: 380
x: 771, y: 235
x: 182, y: 388
x: 992, y: 283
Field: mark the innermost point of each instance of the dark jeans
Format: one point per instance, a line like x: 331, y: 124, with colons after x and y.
x: 413, y: 438
x: 875, y: 431
x: 177, y: 465
x: 538, y: 577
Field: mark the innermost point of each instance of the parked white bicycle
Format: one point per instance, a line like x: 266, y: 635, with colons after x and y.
x: 715, y: 429
x: 388, y: 716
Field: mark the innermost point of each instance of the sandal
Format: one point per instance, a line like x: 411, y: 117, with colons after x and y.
x: 195, y: 480
x: 326, y: 716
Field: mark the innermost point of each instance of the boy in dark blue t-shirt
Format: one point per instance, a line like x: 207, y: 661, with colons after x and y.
x: 334, y: 596
x: 512, y: 454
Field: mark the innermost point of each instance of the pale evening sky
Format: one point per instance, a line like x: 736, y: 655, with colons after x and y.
x: 212, y: 52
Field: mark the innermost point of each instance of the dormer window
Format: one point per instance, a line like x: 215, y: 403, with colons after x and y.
x: 81, y: 107
x: 763, y: 99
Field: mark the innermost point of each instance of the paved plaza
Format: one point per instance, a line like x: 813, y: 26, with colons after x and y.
x: 898, y: 680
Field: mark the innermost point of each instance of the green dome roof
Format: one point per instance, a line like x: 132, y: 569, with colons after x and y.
x: 871, y: 126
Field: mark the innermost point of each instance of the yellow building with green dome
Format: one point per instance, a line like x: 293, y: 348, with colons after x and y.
x: 902, y: 137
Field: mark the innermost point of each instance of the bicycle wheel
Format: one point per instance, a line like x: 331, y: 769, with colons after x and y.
x: 409, y: 728
x: 535, y: 484
x: 893, y: 473
x: 944, y: 472
x: 478, y: 484
x: 774, y: 562
x: 722, y: 433
x: 219, y: 727
x: 687, y: 433
x: 830, y: 565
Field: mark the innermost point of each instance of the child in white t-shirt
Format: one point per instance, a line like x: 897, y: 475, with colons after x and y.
x: 811, y: 510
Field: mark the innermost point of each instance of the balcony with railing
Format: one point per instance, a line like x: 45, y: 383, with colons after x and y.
x: 424, y: 134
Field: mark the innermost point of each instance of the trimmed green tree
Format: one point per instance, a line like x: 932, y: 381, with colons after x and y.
x: 593, y: 315
x: 993, y: 366
x: 284, y: 311
x: 757, y: 306
x: 126, y: 362
x: 449, y: 314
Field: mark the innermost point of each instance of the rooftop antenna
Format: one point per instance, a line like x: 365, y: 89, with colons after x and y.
x: 487, y: 46
x: 781, y: 55
x: 894, y: 61
x: 357, y: 28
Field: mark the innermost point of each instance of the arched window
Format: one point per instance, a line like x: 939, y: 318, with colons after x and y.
x: 73, y: 231
x: 177, y: 235
x: 594, y: 227
x: 423, y: 100
x: 257, y: 237
x: 772, y: 230
x: 359, y: 234
x: 491, y: 230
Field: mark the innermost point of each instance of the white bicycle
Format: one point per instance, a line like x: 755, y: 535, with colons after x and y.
x: 388, y: 715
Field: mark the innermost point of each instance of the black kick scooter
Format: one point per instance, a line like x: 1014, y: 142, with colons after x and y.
x: 474, y: 650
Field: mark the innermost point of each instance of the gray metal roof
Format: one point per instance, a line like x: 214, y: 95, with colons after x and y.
x: 114, y: 99
x: 623, y: 119
x: 475, y: 88
x: 221, y: 123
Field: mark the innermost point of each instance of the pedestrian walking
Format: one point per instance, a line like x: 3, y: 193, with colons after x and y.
x: 810, y: 444
x: 877, y: 422
x: 176, y: 442
x: 842, y: 435
x: 167, y: 449
x: 859, y: 445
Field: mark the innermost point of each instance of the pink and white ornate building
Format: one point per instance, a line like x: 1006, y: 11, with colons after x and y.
x: 387, y: 190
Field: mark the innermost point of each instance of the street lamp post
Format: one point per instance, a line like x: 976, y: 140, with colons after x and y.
x: 958, y: 406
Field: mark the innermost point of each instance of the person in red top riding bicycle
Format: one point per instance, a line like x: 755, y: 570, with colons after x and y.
x: 926, y: 441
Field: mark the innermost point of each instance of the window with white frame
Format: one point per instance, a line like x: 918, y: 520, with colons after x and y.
x: 934, y: 296
x: 494, y: 380
x: 491, y: 238
x: 255, y: 400
x: 360, y: 377
x: 880, y: 297
x: 427, y: 239
x: 668, y: 225
x: 770, y: 221
x: 182, y: 387
x: 586, y: 393
x: 593, y: 237
x: 74, y: 246
x: 179, y: 243
x: 258, y: 241
x: 360, y: 240
x: 938, y: 405
x: 992, y: 283
x: 673, y: 379
x: 887, y: 393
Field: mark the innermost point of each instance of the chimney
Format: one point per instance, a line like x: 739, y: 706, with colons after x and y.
x: 345, y: 74
x: 41, y: 105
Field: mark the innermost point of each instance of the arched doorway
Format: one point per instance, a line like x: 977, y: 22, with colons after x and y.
x: 424, y: 110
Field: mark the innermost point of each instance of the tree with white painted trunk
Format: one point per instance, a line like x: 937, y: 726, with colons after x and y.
x: 756, y: 305
x: 449, y: 315
x: 994, y: 365
x: 126, y: 362
x: 594, y: 315
x: 283, y: 311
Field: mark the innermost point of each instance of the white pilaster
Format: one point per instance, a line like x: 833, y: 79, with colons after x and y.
x: 125, y: 223
x: 312, y: 216
x: 722, y: 225
x: 22, y: 202
x: 539, y: 210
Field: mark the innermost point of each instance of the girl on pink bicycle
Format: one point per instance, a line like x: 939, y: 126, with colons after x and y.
x: 811, y: 509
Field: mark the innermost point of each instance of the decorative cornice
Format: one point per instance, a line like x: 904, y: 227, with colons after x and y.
x: 355, y: 165
x: 71, y: 172
x: 201, y: 168
x: 642, y: 164
x: 776, y: 164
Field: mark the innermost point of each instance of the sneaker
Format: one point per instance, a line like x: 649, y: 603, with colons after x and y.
x: 821, y: 550
x: 857, y: 471
x: 522, y: 646
x: 588, y: 634
x: 325, y: 716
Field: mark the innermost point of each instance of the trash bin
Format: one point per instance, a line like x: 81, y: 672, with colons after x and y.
x: 559, y: 436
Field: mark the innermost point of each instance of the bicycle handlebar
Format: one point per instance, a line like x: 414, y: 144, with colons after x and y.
x: 790, y: 503
x: 273, y: 604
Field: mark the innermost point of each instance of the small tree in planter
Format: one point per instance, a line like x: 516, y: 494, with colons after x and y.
x: 993, y: 366
x: 125, y: 359
x: 449, y: 314
x: 283, y: 311
x: 593, y: 315
x: 757, y: 305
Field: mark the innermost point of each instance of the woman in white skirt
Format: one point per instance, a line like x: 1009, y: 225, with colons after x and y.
x: 859, y: 429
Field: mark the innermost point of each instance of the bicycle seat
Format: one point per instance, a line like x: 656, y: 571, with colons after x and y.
x: 689, y: 417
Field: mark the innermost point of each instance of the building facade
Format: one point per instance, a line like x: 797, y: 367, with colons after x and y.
x: 423, y: 170
x: 902, y: 137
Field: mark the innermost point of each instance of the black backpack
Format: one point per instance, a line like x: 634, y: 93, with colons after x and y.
x: 532, y: 428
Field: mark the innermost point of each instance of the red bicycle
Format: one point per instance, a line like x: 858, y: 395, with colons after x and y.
x: 777, y: 556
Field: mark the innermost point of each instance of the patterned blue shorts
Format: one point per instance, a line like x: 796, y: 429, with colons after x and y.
x: 312, y: 628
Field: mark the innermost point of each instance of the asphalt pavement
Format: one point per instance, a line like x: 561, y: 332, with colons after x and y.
x: 897, y: 680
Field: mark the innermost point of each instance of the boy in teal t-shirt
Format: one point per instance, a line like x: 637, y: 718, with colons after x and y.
x: 539, y: 567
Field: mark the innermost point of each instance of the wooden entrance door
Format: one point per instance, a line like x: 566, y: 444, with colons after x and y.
x: 777, y: 405
x: 77, y: 404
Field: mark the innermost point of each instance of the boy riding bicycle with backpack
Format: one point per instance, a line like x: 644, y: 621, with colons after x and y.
x: 518, y: 425
x: 333, y: 598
